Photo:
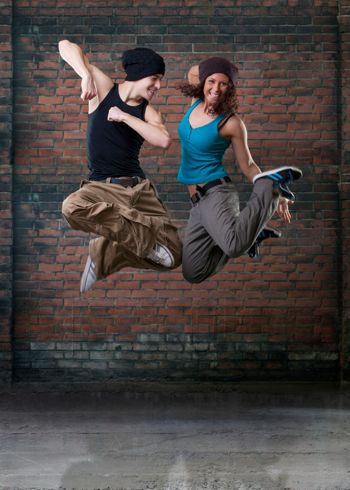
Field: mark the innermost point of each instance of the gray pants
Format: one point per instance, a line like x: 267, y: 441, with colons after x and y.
x: 217, y: 230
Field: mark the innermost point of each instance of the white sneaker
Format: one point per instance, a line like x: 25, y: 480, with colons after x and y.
x: 88, y: 278
x: 160, y: 254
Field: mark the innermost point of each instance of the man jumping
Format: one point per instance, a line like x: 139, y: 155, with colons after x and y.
x: 118, y: 202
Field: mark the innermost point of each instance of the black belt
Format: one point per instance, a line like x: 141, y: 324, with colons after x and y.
x: 202, y: 190
x: 125, y: 181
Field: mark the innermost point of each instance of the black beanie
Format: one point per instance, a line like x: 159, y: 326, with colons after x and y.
x: 141, y: 63
x: 217, y: 65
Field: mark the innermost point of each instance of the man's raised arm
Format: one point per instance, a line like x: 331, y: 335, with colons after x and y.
x: 74, y: 56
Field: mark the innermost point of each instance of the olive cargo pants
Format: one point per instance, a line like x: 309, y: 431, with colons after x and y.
x: 129, y: 221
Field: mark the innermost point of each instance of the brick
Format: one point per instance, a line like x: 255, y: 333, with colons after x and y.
x: 230, y: 325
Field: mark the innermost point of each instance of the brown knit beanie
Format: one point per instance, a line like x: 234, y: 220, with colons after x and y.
x: 217, y: 65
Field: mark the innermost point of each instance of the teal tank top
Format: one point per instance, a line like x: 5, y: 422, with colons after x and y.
x: 202, y: 150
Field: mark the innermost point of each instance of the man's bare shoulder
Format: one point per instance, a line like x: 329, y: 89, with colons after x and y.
x: 152, y: 114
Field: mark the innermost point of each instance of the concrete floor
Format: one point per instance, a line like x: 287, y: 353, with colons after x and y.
x: 146, y: 436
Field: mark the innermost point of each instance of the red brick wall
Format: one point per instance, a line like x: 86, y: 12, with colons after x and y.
x: 344, y: 123
x: 5, y: 189
x: 274, y: 317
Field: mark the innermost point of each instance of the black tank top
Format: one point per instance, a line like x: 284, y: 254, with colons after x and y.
x: 113, y: 148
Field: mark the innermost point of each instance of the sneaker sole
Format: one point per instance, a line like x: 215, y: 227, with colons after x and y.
x: 297, y: 173
x: 85, y: 275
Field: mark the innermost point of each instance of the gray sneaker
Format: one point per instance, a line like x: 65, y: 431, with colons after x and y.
x: 160, y: 254
x: 88, y: 278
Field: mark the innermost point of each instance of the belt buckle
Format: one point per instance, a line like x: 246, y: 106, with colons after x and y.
x: 113, y: 180
x: 135, y: 180
x: 124, y: 182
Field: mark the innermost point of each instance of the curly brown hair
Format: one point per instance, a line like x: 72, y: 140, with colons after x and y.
x: 227, y: 105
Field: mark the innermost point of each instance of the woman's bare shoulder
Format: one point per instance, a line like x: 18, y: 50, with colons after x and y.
x: 232, y: 126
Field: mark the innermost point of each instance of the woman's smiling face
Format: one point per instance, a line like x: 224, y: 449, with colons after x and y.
x: 214, y: 87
